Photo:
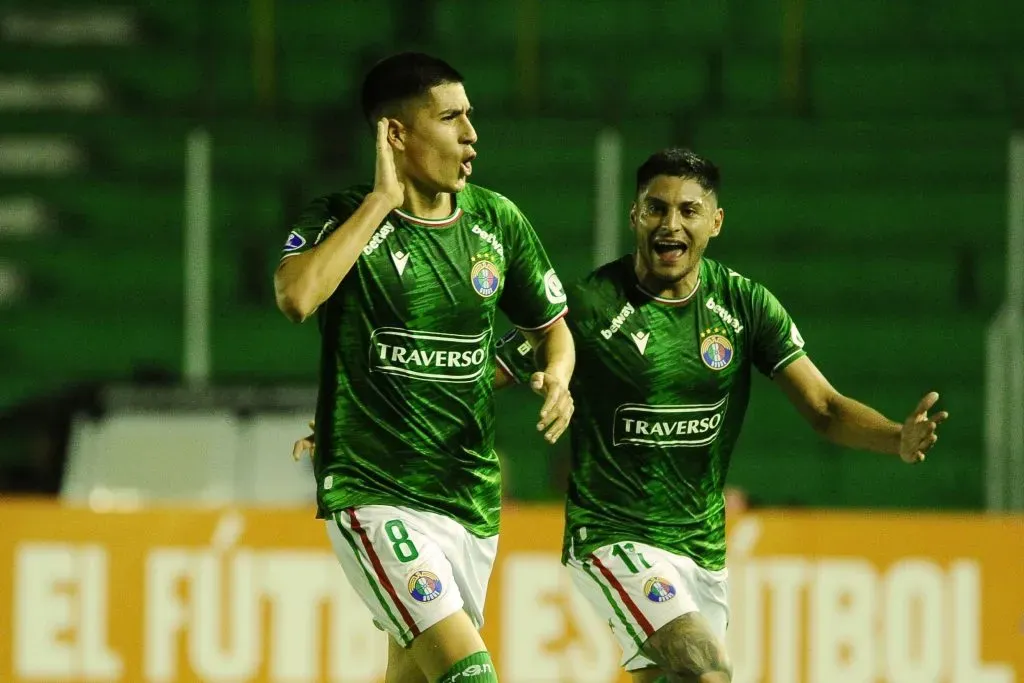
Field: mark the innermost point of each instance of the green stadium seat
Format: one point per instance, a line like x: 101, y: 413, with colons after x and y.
x: 891, y: 133
x: 461, y: 25
x: 83, y: 345
x: 752, y: 81
x: 108, y: 211
x: 334, y: 27
x: 890, y: 216
x: 937, y: 83
x: 872, y: 24
x: 667, y: 88
x: 150, y: 77
x: 610, y: 23
x: 242, y: 148
x: 131, y: 277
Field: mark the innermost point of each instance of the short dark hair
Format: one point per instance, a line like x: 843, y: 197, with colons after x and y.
x: 679, y: 162
x: 401, y: 77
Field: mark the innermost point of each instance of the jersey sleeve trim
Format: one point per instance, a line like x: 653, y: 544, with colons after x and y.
x: 561, y: 314
x: 507, y: 369
x: 781, y: 365
x: 294, y: 253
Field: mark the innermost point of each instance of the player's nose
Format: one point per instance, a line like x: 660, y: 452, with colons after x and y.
x: 469, y: 136
x: 672, y: 220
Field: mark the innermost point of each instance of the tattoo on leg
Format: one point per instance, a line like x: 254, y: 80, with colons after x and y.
x: 687, y: 648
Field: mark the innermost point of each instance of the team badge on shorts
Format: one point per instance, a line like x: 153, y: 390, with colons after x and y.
x: 658, y: 589
x: 484, y: 277
x: 716, y: 351
x: 424, y: 586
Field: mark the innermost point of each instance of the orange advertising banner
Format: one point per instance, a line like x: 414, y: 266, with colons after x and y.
x: 227, y: 595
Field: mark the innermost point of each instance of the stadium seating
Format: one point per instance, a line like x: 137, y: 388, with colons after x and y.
x: 864, y: 183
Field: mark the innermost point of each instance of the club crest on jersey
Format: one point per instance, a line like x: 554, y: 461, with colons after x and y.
x: 294, y: 241
x: 658, y: 589
x: 716, y: 350
x: 424, y: 586
x: 485, y: 278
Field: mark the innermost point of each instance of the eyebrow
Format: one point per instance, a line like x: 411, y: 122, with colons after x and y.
x: 456, y: 110
x: 698, y: 202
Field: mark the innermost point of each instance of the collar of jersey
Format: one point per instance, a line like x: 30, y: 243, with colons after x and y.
x: 431, y: 222
x: 671, y: 302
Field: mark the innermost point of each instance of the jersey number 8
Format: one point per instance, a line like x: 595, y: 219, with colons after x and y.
x: 401, y: 544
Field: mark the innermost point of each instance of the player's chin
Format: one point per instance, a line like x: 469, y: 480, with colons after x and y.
x: 458, y: 185
x: 668, y: 273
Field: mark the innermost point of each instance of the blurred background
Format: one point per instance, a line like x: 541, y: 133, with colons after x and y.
x: 863, y: 147
x: 153, y: 154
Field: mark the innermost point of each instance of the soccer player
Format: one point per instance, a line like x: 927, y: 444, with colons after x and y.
x: 666, y: 340
x: 406, y: 277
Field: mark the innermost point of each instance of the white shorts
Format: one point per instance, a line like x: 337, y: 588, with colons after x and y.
x: 412, y: 568
x: 637, y: 589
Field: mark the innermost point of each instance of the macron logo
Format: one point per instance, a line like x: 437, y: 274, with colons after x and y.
x: 400, y: 259
x: 640, y: 339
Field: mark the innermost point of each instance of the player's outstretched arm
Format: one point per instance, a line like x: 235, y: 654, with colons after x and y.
x: 847, y: 422
x: 304, y: 281
x: 555, y: 352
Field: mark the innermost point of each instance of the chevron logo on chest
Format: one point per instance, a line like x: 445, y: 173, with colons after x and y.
x: 400, y: 260
x: 640, y: 339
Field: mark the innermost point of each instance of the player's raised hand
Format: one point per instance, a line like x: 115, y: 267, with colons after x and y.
x: 918, y: 433
x: 385, y: 181
x: 558, y: 405
x: 305, y: 444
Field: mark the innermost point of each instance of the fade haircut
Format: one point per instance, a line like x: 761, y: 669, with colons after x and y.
x: 680, y: 163
x: 402, y: 77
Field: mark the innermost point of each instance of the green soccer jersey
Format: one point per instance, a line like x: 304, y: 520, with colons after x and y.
x: 405, y: 406
x: 660, y: 389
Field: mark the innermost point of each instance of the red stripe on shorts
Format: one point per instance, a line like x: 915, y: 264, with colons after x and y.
x: 378, y: 569
x: 630, y: 605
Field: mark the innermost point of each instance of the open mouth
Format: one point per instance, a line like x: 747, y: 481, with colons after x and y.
x: 670, y: 251
x: 467, y: 163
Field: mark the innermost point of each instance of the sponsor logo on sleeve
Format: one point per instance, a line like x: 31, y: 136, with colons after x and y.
x: 795, y: 337
x: 553, y: 287
x: 295, y: 241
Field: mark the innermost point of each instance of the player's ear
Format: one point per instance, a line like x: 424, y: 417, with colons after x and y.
x: 396, y: 134
x: 632, y: 215
x: 719, y: 219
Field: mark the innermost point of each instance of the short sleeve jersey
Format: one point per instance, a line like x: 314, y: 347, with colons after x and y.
x: 661, y: 390
x: 405, y: 405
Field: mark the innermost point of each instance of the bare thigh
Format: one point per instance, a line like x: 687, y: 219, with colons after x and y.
x: 402, y: 668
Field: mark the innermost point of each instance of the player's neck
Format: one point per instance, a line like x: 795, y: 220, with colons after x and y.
x: 429, y: 205
x: 678, y: 292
